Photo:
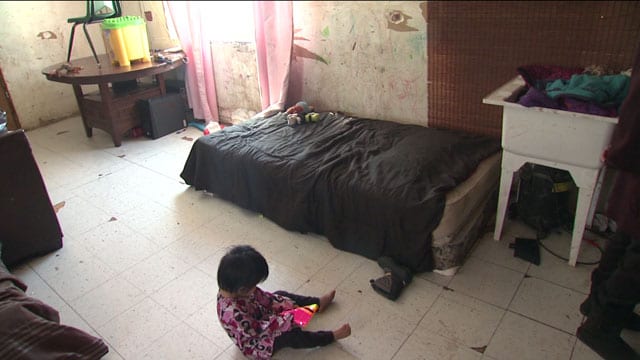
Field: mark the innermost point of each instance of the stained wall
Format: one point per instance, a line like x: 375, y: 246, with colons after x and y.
x: 367, y: 58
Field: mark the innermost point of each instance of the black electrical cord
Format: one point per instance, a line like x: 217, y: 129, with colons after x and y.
x: 565, y: 259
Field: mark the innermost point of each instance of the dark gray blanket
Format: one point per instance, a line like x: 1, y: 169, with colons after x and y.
x: 31, y: 329
x: 371, y: 187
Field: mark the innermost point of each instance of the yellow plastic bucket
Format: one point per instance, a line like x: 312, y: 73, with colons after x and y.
x: 125, y: 39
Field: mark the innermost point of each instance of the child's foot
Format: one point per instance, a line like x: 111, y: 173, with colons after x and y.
x: 326, y: 299
x: 342, y: 332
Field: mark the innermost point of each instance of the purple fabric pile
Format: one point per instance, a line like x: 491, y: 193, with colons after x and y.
x: 538, y: 77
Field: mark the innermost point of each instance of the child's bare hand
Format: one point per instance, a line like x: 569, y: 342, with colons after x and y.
x: 342, y: 332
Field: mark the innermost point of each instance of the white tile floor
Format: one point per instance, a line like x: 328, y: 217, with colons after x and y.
x: 141, y: 250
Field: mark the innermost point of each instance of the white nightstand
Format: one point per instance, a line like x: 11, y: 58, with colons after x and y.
x: 560, y: 139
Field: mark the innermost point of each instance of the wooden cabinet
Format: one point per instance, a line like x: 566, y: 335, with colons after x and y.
x: 113, y: 112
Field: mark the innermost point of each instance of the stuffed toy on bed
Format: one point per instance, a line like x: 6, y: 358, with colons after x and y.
x: 300, y: 113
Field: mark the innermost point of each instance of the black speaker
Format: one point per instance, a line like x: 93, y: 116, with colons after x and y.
x: 162, y: 115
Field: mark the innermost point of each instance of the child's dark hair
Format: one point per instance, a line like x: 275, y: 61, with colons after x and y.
x: 242, y: 267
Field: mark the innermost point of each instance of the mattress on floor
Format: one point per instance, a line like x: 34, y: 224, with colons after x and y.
x: 466, y: 210
x: 372, y: 187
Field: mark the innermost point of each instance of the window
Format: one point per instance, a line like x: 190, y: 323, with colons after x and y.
x: 229, y: 21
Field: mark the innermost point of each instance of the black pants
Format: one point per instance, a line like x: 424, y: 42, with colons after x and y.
x: 616, y: 280
x: 297, y: 338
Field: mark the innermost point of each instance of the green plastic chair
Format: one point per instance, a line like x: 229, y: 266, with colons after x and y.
x: 97, y: 11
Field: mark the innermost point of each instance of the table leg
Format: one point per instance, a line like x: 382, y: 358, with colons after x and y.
x: 117, y: 139
x: 107, y: 104
x: 77, y: 90
x: 161, y: 84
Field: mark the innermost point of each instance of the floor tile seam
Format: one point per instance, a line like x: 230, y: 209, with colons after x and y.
x: 67, y: 303
x: 434, y: 281
x: 91, y: 288
x: 76, y: 185
x: 176, y: 316
x: 119, y: 272
x: 541, y: 323
x: 514, y: 311
x: 136, y: 158
x: 115, y: 171
x: 190, y: 230
x: 515, y: 292
x: 417, y: 325
x: 181, y: 237
x: 461, y: 344
x: 65, y: 156
x: 342, y: 347
x: 224, y: 351
x: 496, y: 305
x: 502, y: 315
x: 154, y: 291
x: 307, y: 279
x: 573, y: 348
x: 527, y: 275
x: 83, y: 199
x: 112, y: 348
x: 474, y: 297
x: 144, y: 349
x: 161, y: 174
x: 346, y: 277
x: 493, y: 262
x: 205, y: 335
x: 76, y: 297
x: 143, y: 297
x: 171, y: 209
x: 74, y: 310
x: 46, y: 146
x: 495, y: 330
x: 192, y: 267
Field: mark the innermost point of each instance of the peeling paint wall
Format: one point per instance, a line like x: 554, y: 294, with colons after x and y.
x: 36, y: 35
x: 236, y: 73
x: 367, y: 58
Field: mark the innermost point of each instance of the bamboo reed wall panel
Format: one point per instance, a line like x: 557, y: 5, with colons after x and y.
x: 473, y: 47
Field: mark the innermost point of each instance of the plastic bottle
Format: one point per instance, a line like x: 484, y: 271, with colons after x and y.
x: 212, y: 126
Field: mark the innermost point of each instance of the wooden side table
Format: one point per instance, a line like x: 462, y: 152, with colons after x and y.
x: 560, y: 139
x: 108, y: 110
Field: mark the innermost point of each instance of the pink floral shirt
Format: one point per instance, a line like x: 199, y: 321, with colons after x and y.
x: 255, y: 321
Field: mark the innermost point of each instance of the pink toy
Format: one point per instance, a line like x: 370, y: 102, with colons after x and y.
x: 302, y: 315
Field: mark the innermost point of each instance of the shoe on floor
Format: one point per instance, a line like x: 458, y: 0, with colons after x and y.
x: 401, y: 272
x: 388, y: 285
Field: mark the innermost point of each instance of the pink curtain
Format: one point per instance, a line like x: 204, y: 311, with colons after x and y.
x: 187, y: 19
x: 274, y: 42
